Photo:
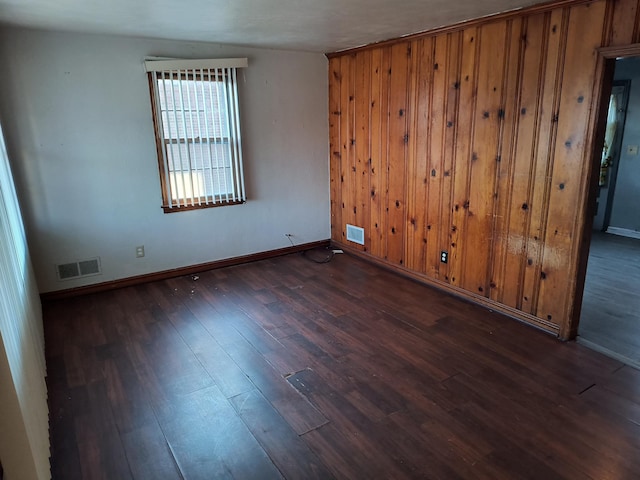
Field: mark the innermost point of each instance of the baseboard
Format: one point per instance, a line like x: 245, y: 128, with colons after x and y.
x: 624, y: 232
x: 609, y: 353
x: 178, y: 272
x: 460, y: 293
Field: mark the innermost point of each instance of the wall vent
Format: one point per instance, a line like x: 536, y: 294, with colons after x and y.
x: 355, y: 234
x: 82, y: 268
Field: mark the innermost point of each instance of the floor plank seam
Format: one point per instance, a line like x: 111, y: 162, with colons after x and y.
x: 587, y: 389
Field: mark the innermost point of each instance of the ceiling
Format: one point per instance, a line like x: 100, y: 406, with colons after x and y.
x: 310, y: 25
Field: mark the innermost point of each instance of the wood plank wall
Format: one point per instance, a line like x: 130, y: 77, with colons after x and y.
x: 476, y: 140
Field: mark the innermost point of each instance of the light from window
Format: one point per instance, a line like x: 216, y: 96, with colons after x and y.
x: 197, y: 136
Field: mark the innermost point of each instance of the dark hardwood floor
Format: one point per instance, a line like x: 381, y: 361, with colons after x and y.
x: 610, y: 318
x: 288, y: 368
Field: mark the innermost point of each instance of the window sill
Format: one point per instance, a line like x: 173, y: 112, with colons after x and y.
x: 183, y: 208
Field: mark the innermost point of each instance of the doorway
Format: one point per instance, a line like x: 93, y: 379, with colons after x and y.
x: 610, y: 314
x: 616, y: 116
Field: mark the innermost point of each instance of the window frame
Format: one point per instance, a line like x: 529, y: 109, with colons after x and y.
x: 227, y: 75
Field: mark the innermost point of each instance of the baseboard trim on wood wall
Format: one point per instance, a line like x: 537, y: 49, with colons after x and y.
x: 623, y: 232
x: 518, y: 315
x: 178, y: 272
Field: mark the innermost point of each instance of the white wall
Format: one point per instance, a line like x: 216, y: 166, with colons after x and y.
x: 24, y: 422
x: 81, y: 140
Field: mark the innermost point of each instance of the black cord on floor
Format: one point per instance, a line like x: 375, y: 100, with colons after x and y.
x: 319, y: 255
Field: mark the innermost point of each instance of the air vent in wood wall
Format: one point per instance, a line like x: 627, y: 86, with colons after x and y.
x: 81, y: 268
x: 355, y: 234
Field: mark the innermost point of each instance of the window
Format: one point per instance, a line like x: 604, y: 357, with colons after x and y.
x: 197, y: 127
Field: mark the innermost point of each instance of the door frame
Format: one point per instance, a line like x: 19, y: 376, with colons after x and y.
x: 597, y: 125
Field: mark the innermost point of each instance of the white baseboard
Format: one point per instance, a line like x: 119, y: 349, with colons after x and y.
x: 624, y: 232
x: 609, y: 353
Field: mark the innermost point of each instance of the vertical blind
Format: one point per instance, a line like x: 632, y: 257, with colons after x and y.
x: 198, y: 125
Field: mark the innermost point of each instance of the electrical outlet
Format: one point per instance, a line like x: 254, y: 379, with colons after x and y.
x: 140, y: 251
x: 444, y: 256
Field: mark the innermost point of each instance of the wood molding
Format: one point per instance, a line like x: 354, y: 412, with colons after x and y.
x: 596, y: 132
x: 211, y: 204
x: 602, y: 90
x: 178, y: 272
x: 518, y: 315
x: 623, y: 51
x: 532, y: 10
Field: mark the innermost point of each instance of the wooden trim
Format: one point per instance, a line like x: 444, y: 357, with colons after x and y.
x: 602, y: 90
x: 182, y: 208
x: 158, y: 138
x: 597, y: 125
x: 178, y: 272
x: 624, y: 51
x: 532, y: 10
x: 518, y: 315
